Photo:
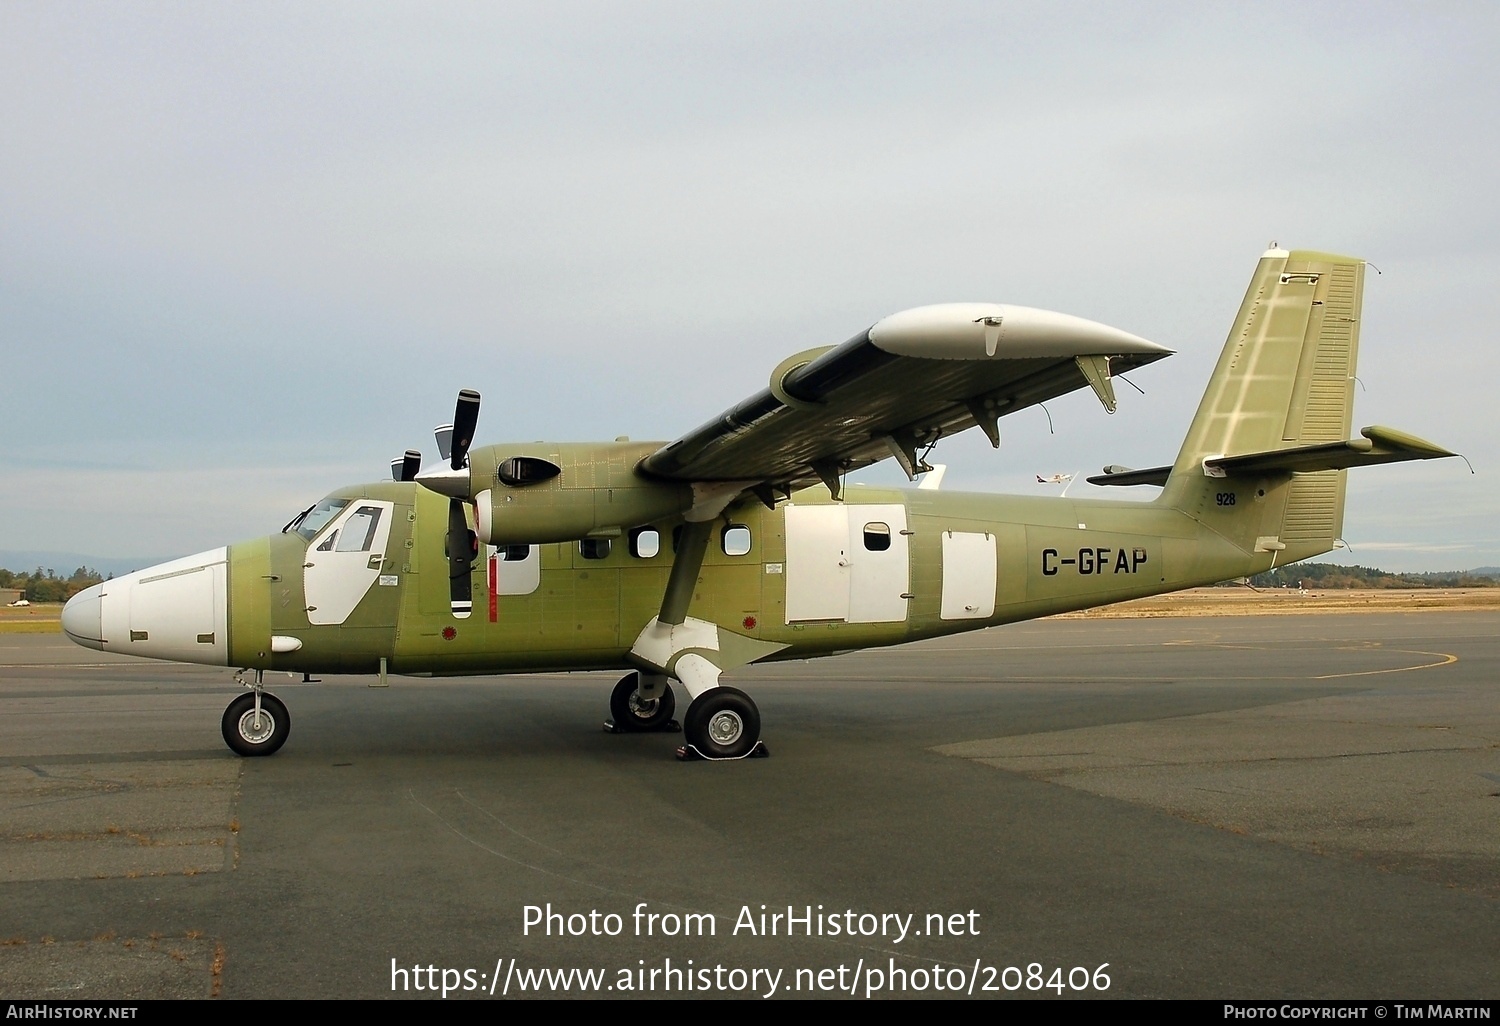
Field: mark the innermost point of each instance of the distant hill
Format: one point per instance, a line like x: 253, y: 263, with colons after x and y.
x: 1332, y: 575
x: 64, y: 563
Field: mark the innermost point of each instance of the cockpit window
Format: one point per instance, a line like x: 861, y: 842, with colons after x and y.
x: 359, y: 530
x: 315, y: 518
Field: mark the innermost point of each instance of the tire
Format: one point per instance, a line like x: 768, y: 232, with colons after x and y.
x: 631, y: 713
x: 241, y: 733
x: 722, y: 723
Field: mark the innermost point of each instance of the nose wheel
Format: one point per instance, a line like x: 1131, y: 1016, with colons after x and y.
x: 722, y: 723
x: 631, y: 713
x: 252, y: 728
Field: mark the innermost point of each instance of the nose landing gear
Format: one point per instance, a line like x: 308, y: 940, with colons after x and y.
x: 257, y: 723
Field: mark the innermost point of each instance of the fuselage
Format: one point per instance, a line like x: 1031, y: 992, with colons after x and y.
x: 811, y: 577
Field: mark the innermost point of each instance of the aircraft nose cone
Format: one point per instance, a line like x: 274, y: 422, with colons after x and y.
x: 82, y: 615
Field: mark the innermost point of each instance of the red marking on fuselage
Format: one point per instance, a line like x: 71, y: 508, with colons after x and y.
x: 494, y: 589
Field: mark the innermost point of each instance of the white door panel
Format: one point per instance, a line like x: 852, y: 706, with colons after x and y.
x: 847, y: 562
x: 344, y: 560
x: 817, y: 563
x: 879, y: 577
x: 969, y: 576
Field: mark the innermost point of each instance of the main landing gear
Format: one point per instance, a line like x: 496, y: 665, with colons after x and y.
x: 721, y: 723
x: 257, y: 723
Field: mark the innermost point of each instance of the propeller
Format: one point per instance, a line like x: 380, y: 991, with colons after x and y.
x: 453, y: 481
x: 465, y: 418
x: 404, y: 468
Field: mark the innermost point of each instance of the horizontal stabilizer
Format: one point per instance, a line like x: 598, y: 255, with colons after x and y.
x: 1379, y: 445
x: 1125, y: 476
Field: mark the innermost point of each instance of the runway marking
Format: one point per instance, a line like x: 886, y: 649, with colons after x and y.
x: 1445, y: 659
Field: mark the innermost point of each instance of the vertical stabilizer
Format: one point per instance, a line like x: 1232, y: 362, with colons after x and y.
x: 1284, y: 379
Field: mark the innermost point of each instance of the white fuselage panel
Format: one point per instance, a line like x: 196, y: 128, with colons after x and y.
x: 847, y: 562
x: 969, y: 576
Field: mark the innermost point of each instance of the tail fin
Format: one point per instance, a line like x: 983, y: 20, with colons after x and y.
x: 1284, y: 380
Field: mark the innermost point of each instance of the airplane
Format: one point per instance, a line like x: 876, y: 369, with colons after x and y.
x: 1054, y: 479
x: 740, y: 542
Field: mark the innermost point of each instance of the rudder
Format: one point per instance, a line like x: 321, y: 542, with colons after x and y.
x: 1285, y: 379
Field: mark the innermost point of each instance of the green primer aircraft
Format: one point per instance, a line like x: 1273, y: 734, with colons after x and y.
x: 738, y: 542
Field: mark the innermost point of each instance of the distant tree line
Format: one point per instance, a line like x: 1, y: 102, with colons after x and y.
x: 45, y: 586
x: 1331, y: 575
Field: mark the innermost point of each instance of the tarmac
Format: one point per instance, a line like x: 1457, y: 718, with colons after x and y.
x: 1176, y: 807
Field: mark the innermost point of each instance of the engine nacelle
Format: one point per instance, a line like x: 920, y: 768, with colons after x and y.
x: 593, y: 490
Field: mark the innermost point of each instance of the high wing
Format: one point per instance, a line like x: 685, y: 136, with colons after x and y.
x: 911, y: 379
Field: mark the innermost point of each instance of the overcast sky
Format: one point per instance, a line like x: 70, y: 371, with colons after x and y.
x: 250, y: 252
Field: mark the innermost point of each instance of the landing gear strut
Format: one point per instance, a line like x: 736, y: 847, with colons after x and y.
x: 722, y: 723
x: 257, y: 723
x: 633, y: 714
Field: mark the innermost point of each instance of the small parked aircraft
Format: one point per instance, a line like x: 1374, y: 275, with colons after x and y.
x: 741, y: 543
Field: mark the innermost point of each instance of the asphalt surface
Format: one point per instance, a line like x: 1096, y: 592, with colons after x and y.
x: 1238, y: 807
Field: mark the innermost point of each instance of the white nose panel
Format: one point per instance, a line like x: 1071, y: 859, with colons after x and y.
x: 82, y: 617
x: 175, y: 610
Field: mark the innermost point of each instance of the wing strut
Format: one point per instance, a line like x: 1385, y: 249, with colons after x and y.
x: 692, y: 545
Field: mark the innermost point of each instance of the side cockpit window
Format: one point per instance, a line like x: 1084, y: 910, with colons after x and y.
x: 359, y: 530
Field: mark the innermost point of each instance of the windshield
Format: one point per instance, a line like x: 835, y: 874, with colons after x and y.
x: 311, y: 520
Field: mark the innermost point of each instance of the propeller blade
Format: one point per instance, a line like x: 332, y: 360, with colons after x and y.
x: 396, y: 468
x: 461, y: 548
x: 465, y: 419
x: 410, y: 464
x: 444, y: 435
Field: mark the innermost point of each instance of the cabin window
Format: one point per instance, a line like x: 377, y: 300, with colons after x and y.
x: 327, y: 545
x: 877, y: 537
x: 645, y: 542
x: 359, y: 530
x: 594, y: 548
x: 515, y: 553
x: 735, y: 540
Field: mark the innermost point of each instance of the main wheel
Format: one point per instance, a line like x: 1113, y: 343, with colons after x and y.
x: 632, y: 712
x: 722, y: 723
x: 246, y: 734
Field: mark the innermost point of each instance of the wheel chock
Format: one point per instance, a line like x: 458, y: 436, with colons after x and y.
x: 690, y: 753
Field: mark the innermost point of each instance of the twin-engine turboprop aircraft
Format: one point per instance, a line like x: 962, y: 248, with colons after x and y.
x: 739, y: 543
